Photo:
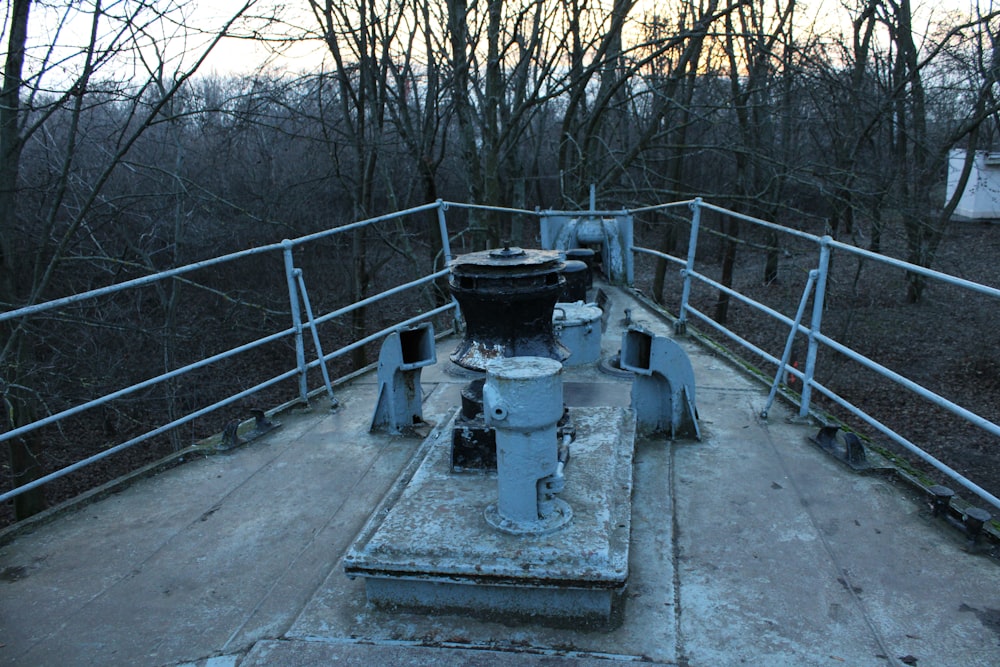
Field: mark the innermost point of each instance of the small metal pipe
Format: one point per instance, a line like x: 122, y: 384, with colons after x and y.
x: 546, y: 213
x: 51, y: 419
x: 308, y: 238
x: 381, y: 295
x: 661, y: 255
x: 188, y: 268
x: 661, y: 207
x: 496, y: 209
x: 739, y: 296
x: 913, y: 268
x: 315, y: 335
x: 135, y: 282
x: 763, y: 223
x: 787, y: 354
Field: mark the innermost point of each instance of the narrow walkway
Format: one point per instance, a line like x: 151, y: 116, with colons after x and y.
x: 749, y: 546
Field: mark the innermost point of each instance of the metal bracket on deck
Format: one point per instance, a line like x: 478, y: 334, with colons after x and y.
x: 231, y: 439
x: 403, y: 354
x: 973, y: 521
x: 663, y: 392
x: 851, y: 452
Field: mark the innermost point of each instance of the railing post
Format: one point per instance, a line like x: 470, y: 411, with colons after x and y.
x: 320, y: 357
x: 446, y: 251
x: 787, y: 354
x: 814, y: 327
x: 680, y: 326
x: 293, y: 299
x: 443, y: 229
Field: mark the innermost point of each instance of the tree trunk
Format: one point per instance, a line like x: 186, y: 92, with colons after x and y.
x: 17, y: 410
x: 24, y: 463
x: 728, y: 266
x: 771, y: 264
x: 458, y: 33
x: 358, y: 316
x: 10, y: 147
x: 668, y: 243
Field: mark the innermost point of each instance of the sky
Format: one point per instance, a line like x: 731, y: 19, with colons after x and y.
x: 235, y: 55
x: 238, y: 55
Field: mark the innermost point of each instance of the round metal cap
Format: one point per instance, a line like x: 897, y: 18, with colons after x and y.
x: 507, y: 252
x: 575, y: 314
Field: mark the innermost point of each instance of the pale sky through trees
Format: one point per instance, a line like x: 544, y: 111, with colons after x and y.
x: 259, y: 42
x: 238, y: 56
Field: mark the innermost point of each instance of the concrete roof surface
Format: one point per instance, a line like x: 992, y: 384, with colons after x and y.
x: 751, y: 546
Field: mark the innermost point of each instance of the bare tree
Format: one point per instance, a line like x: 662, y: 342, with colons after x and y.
x: 35, y: 249
x: 916, y: 149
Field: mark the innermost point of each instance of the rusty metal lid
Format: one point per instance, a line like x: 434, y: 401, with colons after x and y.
x: 507, y: 262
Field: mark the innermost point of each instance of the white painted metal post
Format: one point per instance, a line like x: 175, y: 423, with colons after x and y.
x: 787, y: 354
x: 293, y: 300
x: 814, y: 327
x: 443, y: 229
x: 320, y: 357
x: 446, y: 251
x: 681, y: 325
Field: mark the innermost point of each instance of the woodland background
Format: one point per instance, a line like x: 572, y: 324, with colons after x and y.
x: 123, y: 153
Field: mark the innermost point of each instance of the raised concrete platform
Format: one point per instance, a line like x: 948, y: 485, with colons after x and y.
x: 749, y: 547
x: 428, y: 547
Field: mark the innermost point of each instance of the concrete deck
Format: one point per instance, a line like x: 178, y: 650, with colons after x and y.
x: 751, y: 546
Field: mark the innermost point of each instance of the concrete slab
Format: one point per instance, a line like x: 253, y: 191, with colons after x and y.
x: 751, y: 546
x: 238, y: 565
x: 429, y: 546
x: 340, y: 609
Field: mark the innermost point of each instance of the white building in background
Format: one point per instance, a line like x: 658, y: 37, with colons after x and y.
x: 981, y: 199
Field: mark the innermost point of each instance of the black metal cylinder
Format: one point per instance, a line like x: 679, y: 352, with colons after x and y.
x: 585, y: 255
x: 472, y: 399
x: 507, y: 298
x: 575, y: 274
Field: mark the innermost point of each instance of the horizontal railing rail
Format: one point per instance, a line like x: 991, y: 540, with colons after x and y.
x: 299, y: 301
x: 816, y: 289
x: 305, y: 322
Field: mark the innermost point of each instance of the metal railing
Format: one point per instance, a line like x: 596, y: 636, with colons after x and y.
x: 816, y: 289
x: 304, y: 318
